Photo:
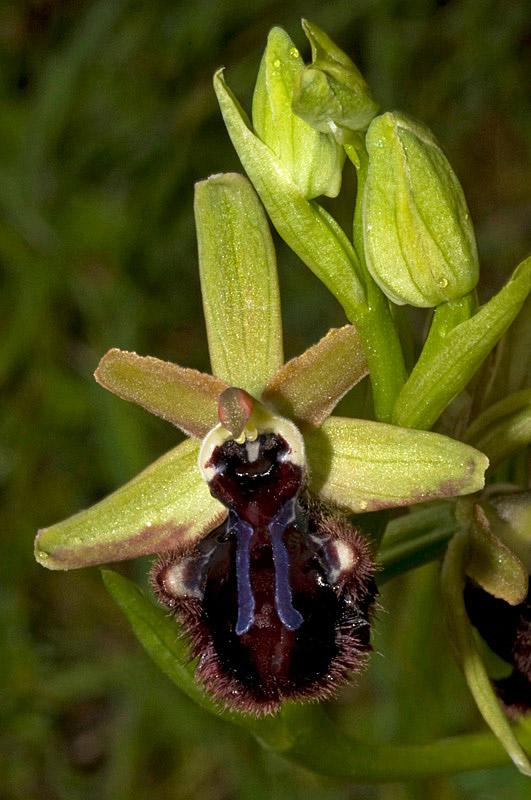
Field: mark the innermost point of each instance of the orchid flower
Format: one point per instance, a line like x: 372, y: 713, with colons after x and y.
x: 249, y: 516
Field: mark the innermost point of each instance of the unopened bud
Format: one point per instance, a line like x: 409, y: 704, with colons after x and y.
x: 419, y: 240
x: 313, y: 160
x: 331, y: 94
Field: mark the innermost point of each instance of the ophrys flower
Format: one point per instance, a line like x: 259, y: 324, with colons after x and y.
x: 274, y: 587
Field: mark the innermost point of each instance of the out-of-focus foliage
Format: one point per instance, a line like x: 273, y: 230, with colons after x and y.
x: 107, y: 119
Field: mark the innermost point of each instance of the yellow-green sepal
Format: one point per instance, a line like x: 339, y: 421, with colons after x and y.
x: 239, y: 282
x: 363, y: 465
x: 313, y: 159
x: 511, y: 522
x: 185, y: 397
x: 167, y: 506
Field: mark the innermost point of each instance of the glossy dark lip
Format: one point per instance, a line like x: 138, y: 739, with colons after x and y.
x: 270, y: 613
x: 312, y: 662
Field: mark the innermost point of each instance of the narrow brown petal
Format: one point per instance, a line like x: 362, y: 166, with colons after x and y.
x: 308, y: 387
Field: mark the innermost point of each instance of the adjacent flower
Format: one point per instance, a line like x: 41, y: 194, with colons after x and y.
x: 418, y: 237
x: 497, y: 595
x: 485, y: 581
x: 256, y: 556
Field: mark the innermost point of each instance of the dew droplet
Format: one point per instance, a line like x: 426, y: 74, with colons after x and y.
x: 276, y: 63
x: 294, y: 53
x: 363, y: 504
x: 442, y: 282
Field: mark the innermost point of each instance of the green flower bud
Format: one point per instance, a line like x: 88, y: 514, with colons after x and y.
x: 313, y: 160
x: 331, y: 94
x: 419, y: 240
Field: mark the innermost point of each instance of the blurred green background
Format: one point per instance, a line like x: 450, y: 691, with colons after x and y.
x: 107, y: 119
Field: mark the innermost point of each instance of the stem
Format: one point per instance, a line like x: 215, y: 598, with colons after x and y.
x: 445, y: 318
x: 318, y: 745
x: 383, y: 350
x: 442, y: 372
x: 408, y: 554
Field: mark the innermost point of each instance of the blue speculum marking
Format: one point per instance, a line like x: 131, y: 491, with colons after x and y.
x: 244, y: 534
x: 288, y: 615
x: 261, y: 495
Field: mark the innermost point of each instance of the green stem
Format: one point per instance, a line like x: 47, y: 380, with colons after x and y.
x: 375, y: 324
x: 442, y: 372
x: 405, y: 555
x: 316, y: 744
x: 445, y: 318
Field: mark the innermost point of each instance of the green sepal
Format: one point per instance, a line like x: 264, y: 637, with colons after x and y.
x: 185, y: 397
x: 239, y: 283
x: 306, y: 227
x: 361, y: 465
x: 504, y: 428
x: 312, y: 158
x: 492, y: 564
x: 418, y: 238
x: 167, y: 506
x: 462, y: 635
x: 511, y: 521
x: 439, y: 375
x: 331, y: 94
x: 307, y: 388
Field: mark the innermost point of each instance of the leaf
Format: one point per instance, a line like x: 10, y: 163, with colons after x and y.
x: 366, y: 466
x: 439, y: 376
x: 185, y: 397
x: 160, y: 636
x: 164, y: 507
x: 239, y: 284
x: 308, y: 387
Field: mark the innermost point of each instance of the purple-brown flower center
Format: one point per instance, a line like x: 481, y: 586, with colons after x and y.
x: 277, y: 600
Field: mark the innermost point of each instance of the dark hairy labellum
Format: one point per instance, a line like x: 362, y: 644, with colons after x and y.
x: 507, y: 631
x: 276, y: 601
